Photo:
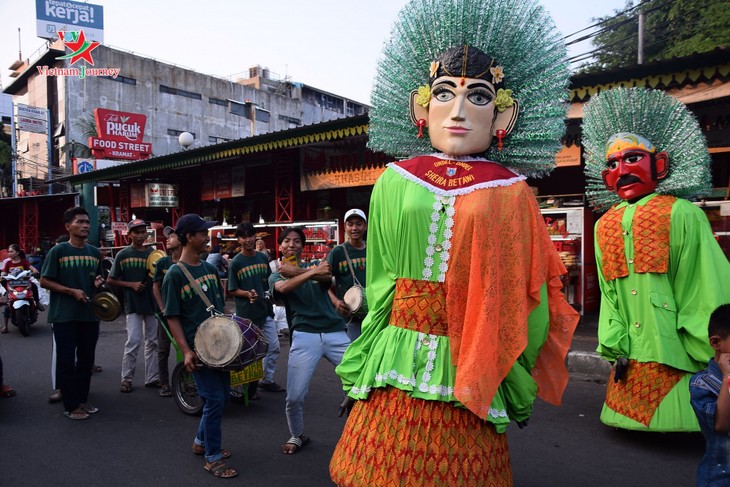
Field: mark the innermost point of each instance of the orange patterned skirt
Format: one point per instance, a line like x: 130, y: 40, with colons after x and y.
x: 392, y: 439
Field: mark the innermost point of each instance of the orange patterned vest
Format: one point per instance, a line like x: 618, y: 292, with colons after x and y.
x: 650, y: 233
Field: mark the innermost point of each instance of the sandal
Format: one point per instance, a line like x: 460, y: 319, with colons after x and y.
x: 89, y: 409
x: 200, y: 450
x: 126, y: 386
x: 4, y: 331
x: 220, y: 469
x: 298, y: 443
x: 7, y: 391
x: 77, y: 414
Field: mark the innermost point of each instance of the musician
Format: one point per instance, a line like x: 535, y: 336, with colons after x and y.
x: 356, y: 224
x: 130, y: 272
x: 248, y: 275
x: 316, y: 329
x: 163, y: 340
x: 72, y: 272
x: 185, y: 311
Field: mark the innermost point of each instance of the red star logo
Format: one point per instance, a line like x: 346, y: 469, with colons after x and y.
x: 76, y: 41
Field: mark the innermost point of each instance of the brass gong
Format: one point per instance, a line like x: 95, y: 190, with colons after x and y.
x: 152, y: 260
x: 106, y: 306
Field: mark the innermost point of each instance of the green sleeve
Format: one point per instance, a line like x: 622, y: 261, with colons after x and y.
x: 381, y: 274
x: 700, y: 275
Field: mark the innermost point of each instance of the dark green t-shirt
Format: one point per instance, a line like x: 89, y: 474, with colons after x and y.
x: 248, y: 273
x: 183, y: 302
x: 163, y: 265
x: 130, y: 265
x: 76, y: 268
x: 341, y: 271
x: 308, y: 307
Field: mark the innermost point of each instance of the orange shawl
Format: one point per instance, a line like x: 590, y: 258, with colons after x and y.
x: 501, y: 257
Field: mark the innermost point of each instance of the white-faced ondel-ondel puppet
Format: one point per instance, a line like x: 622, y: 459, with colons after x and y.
x: 466, y: 321
x: 660, y: 270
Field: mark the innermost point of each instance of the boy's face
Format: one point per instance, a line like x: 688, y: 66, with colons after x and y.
x: 720, y: 345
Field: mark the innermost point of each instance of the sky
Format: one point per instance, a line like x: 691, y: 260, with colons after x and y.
x: 332, y: 45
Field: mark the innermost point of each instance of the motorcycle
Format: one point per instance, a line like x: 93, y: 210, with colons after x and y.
x: 21, y: 303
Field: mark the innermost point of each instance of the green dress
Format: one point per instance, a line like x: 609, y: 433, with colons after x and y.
x: 663, y: 317
x: 410, y: 236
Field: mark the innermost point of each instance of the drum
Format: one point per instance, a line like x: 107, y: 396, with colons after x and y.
x: 229, y: 342
x: 357, y: 300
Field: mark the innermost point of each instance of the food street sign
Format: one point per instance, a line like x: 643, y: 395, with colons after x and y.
x: 120, y: 135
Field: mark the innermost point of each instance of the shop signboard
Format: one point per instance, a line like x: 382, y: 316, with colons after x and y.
x: 153, y: 195
x: 568, y: 156
x: 32, y: 119
x: 53, y: 16
x: 120, y: 135
x: 340, y: 179
x: 238, y: 181
x: 207, y: 187
x: 223, y: 184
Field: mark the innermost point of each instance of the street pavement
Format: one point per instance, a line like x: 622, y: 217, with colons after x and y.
x: 143, y: 439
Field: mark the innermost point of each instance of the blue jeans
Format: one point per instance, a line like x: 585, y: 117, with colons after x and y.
x: 213, y: 386
x: 272, y: 336
x: 304, y: 355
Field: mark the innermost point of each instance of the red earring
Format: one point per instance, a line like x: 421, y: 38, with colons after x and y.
x: 501, y: 134
x: 421, y: 123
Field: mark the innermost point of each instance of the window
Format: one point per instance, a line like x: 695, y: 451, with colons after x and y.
x: 175, y: 133
x: 240, y: 109
x: 291, y: 122
x: 178, y: 92
x: 331, y: 102
x: 263, y: 115
x: 121, y: 79
x: 217, y: 101
x: 217, y: 140
x: 354, y: 109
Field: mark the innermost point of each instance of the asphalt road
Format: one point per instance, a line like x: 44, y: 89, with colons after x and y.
x: 143, y: 439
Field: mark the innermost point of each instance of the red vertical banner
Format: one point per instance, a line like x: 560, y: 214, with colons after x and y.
x: 207, y: 188
x: 223, y: 186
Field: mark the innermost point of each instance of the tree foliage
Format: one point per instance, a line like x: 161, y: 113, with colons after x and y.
x: 671, y: 28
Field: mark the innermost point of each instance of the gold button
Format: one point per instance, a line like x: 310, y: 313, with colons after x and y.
x: 426, y: 341
x: 633, y: 291
x: 631, y: 261
x: 625, y: 232
x: 438, y: 247
x: 665, y: 305
x: 637, y: 324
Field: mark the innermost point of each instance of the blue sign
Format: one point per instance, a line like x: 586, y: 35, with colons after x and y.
x: 56, y: 15
x: 84, y: 166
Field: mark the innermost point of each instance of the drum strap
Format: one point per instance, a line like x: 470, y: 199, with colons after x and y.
x: 194, y: 284
x: 352, y: 269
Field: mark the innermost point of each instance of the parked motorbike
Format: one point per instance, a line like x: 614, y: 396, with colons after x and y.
x: 21, y: 303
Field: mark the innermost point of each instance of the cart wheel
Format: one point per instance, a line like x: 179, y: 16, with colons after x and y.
x: 186, y: 392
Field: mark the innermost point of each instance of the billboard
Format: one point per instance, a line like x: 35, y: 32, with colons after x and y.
x: 120, y: 135
x: 53, y: 16
x: 32, y: 119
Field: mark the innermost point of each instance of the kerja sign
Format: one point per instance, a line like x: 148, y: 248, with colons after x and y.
x: 120, y: 135
x: 53, y: 16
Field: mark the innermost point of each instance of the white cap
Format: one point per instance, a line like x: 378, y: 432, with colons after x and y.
x: 355, y: 212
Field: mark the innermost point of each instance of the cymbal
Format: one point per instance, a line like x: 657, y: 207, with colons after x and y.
x: 106, y: 306
x: 152, y: 259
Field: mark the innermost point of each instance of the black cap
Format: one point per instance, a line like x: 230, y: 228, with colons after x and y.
x: 191, y: 223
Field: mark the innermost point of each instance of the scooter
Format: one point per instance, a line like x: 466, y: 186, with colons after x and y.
x: 22, y: 305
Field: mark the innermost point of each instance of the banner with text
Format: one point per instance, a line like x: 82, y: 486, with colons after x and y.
x: 53, y: 16
x: 340, y: 179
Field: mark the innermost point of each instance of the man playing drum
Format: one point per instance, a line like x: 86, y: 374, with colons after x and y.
x: 316, y: 329
x: 352, y: 251
x: 248, y: 275
x: 185, y: 312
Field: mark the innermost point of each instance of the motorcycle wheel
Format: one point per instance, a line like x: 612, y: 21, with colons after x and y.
x: 22, y: 317
x: 185, y: 391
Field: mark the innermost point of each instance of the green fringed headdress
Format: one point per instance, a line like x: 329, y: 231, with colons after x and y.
x: 523, y: 39
x: 659, y: 118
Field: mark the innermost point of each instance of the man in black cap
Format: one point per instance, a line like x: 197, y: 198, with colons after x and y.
x: 130, y: 272
x: 185, y: 310
x: 163, y: 340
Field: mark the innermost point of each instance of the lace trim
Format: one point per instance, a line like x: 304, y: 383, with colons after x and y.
x: 445, y: 203
x: 457, y: 191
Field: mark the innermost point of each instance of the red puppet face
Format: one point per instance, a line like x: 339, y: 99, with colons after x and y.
x: 633, y: 168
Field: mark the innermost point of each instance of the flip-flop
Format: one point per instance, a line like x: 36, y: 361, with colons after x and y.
x: 77, y: 415
x: 89, y: 409
x: 7, y: 391
x: 298, y: 442
x: 219, y: 469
